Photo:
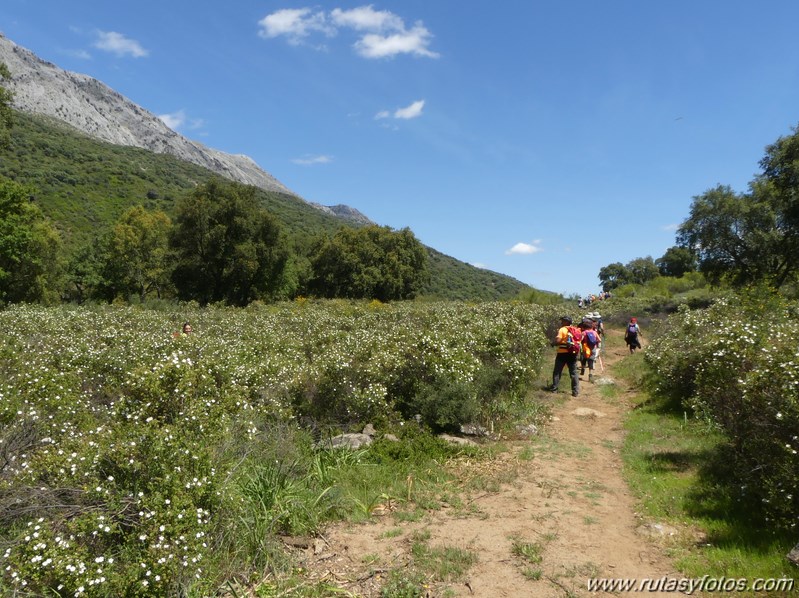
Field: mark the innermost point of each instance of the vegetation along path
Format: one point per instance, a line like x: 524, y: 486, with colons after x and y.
x: 557, y: 513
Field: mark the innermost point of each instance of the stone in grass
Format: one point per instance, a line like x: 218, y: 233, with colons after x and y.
x: 346, y: 441
x: 457, y: 440
x: 527, y: 430
x: 474, y: 430
x: 586, y: 412
x: 793, y: 556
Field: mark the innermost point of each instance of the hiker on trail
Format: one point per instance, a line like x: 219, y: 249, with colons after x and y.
x: 600, y: 327
x: 591, y: 345
x: 632, y: 336
x: 568, y: 343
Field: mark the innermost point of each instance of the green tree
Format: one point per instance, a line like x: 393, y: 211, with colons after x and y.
x: 738, y: 238
x: 372, y: 262
x: 780, y: 183
x: 136, y: 253
x: 781, y: 170
x: 5, y: 108
x: 84, y: 272
x: 227, y: 247
x: 750, y: 237
x: 613, y: 276
x: 29, y: 248
x: 676, y: 262
x: 641, y: 270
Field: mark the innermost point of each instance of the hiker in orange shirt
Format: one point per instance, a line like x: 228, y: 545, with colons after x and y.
x: 568, y: 343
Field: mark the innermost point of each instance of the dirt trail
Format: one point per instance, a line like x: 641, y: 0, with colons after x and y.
x: 568, y: 499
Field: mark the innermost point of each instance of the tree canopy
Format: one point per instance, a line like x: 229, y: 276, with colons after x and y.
x: 752, y: 237
x: 734, y: 238
x: 137, y: 253
x: 227, y: 247
x: 676, y: 262
x: 29, y: 246
x: 638, y: 271
x: 373, y: 262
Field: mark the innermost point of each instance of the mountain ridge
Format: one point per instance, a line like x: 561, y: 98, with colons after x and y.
x: 92, y: 107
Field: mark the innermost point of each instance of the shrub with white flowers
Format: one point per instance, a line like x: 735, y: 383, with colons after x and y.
x: 120, y: 440
x: 736, y: 363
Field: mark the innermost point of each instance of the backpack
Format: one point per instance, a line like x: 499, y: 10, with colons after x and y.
x: 573, y: 339
x: 632, y: 330
x: 591, y: 339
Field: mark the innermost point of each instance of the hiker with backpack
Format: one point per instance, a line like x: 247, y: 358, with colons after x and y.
x: 591, y: 343
x: 632, y: 336
x: 568, y: 341
x: 599, y: 326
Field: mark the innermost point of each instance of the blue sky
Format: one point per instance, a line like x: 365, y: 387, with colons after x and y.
x: 543, y: 140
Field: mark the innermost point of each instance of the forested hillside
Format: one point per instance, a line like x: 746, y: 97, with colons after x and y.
x: 84, y: 186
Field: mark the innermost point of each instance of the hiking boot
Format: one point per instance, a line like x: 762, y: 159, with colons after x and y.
x: 574, y: 394
x: 590, y: 377
x: 582, y: 371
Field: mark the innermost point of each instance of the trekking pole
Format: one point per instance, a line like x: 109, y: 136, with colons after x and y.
x: 601, y: 365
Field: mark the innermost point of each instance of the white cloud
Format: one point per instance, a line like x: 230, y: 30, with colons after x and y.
x: 179, y: 119
x: 385, y: 34
x: 407, y: 113
x: 79, y: 54
x: 119, y: 44
x: 310, y: 160
x: 414, y: 42
x: 295, y: 24
x: 366, y: 18
x: 525, y: 248
x: 412, y: 111
x: 173, y: 120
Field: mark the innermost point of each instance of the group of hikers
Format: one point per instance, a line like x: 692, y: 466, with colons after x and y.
x: 583, y: 344
x: 592, y: 298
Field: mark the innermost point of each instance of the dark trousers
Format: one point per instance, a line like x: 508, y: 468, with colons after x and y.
x: 566, y: 359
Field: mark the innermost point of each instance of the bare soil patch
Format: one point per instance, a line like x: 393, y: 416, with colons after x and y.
x: 561, y: 492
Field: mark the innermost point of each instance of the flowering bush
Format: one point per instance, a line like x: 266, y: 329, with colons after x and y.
x: 126, y: 450
x: 736, y: 363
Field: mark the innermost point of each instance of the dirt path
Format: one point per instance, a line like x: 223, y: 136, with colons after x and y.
x: 564, y: 501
